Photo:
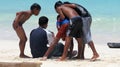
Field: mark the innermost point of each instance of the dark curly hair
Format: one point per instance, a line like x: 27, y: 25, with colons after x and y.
x: 35, y: 5
x: 57, y: 4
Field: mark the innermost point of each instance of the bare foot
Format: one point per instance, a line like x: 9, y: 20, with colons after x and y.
x: 24, y: 56
x: 82, y: 58
x: 77, y: 57
x: 94, y: 57
x: 61, y: 59
x: 44, y: 59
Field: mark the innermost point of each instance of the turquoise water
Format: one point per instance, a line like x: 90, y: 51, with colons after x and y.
x: 105, y: 26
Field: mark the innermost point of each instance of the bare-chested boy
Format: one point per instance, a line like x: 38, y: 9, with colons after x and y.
x: 20, y: 19
x: 75, y: 28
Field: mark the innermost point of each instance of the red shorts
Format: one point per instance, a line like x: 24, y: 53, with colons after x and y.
x: 62, y: 31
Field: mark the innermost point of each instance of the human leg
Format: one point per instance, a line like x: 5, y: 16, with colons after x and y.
x: 22, y: 36
x: 95, y: 54
x: 67, y: 45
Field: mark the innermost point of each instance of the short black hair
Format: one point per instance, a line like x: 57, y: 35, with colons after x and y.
x: 43, y: 20
x: 35, y: 5
x: 57, y: 4
x: 67, y: 2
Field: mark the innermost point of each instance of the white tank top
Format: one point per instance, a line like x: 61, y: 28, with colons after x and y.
x: 50, y: 36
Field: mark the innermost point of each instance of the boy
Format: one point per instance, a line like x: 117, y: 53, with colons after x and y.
x: 62, y: 26
x: 87, y: 19
x: 20, y: 19
x: 75, y: 28
x: 40, y: 39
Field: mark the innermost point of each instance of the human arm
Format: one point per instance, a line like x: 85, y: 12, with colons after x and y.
x: 70, y: 5
x: 62, y: 31
x: 59, y: 11
x: 50, y: 49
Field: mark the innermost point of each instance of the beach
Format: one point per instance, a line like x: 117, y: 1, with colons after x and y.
x: 109, y: 57
x: 104, y: 28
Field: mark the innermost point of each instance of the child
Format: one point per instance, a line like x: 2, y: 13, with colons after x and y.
x: 87, y: 20
x: 21, y: 18
x: 62, y: 26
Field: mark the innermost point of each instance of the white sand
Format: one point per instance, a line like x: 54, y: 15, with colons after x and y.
x: 9, y: 51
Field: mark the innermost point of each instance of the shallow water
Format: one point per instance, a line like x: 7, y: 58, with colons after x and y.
x: 105, y: 13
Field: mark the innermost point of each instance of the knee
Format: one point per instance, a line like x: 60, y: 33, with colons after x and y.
x: 90, y: 42
x: 23, y: 40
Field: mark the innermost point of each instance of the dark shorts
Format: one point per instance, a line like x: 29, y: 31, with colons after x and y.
x: 75, y: 28
x: 40, y: 53
x: 57, y: 51
x: 16, y: 26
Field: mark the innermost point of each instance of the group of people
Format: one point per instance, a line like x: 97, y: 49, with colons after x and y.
x: 73, y: 21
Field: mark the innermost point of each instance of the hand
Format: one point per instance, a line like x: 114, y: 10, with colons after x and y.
x: 44, y: 59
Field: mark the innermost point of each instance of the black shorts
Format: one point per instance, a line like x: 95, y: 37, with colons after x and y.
x: 75, y: 28
x: 40, y: 51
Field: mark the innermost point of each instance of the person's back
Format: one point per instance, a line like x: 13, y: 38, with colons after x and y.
x: 38, y: 42
x: 69, y: 12
x: 38, y: 38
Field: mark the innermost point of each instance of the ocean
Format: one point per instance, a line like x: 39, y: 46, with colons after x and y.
x: 105, y: 14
